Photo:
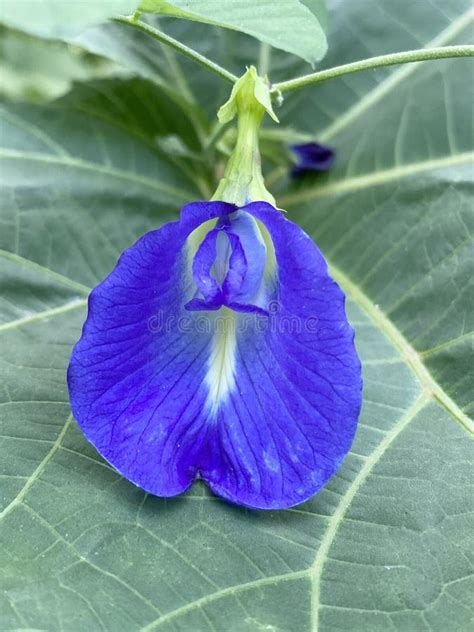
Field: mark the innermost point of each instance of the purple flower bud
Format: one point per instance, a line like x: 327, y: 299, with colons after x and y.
x: 311, y: 157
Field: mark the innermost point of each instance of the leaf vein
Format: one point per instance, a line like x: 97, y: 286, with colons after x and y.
x: 388, y: 84
x: 377, y: 178
x: 410, y: 356
x: 179, y: 196
x: 37, y: 472
x: 339, y: 515
x: 39, y: 316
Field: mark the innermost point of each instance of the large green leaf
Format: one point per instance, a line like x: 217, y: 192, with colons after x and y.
x: 286, y: 24
x: 387, y: 544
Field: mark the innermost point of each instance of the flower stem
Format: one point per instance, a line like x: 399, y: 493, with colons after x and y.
x: 424, y: 54
x: 182, y: 48
x: 243, y: 180
x: 243, y: 174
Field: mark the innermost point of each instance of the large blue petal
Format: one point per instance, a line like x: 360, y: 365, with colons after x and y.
x: 262, y: 407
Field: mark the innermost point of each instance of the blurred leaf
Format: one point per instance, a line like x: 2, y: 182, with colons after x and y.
x: 286, y: 24
x: 127, y: 104
x: 52, y: 18
x: 387, y: 544
x: 26, y: 63
x: 181, y: 78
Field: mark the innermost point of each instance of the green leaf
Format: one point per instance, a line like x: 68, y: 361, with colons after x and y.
x: 26, y: 62
x: 319, y: 8
x: 387, y: 544
x: 181, y: 78
x: 288, y: 24
x: 50, y: 18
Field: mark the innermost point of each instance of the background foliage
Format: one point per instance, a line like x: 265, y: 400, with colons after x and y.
x: 388, y: 543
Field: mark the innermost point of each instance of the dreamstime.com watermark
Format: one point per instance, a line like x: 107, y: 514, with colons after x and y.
x: 217, y: 322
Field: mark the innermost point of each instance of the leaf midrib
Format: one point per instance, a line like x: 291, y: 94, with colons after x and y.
x: 410, y: 356
x: 313, y: 573
x: 376, y: 178
x: 181, y: 196
x: 37, y: 267
x: 31, y: 479
x: 43, y: 315
x: 338, y: 516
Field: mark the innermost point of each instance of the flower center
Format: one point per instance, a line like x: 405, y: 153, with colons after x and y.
x: 228, y: 267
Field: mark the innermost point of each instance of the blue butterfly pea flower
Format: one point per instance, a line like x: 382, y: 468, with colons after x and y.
x: 219, y: 347
x: 233, y: 361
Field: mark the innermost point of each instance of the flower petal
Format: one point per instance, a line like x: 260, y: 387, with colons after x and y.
x: 202, y: 265
x: 250, y: 248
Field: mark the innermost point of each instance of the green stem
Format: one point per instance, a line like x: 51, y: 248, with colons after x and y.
x: 424, y: 54
x: 243, y: 172
x: 243, y: 180
x: 182, y: 48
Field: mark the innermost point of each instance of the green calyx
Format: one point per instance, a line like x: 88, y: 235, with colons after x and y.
x: 249, y: 101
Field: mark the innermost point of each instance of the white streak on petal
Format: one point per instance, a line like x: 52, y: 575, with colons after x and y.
x: 220, y: 376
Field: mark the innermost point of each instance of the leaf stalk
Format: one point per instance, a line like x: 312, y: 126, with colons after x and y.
x: 180, y: 47
x: 406, y: 57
